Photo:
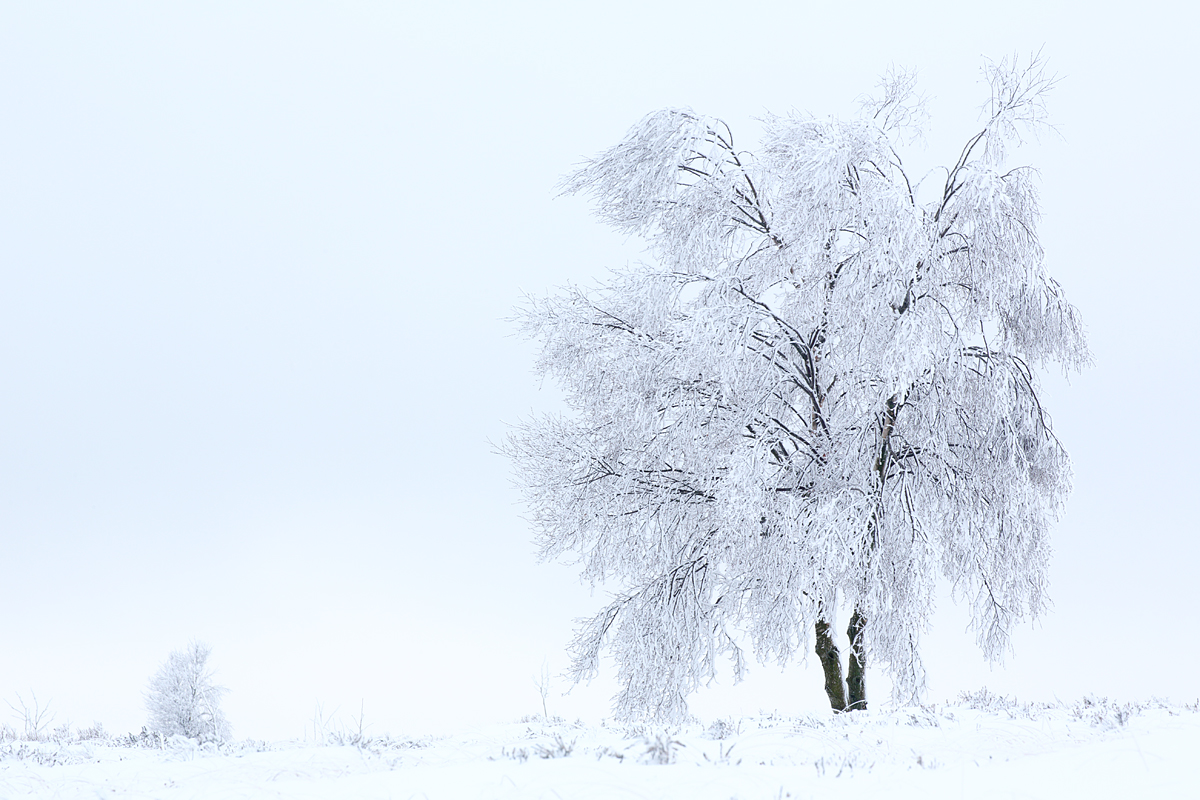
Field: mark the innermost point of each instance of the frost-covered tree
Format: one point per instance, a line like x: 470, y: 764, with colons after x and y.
x: 821, y: 394
x: 183, y: 700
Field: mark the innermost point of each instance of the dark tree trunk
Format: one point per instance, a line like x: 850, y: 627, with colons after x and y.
x: 832, y: 664
x: 856, y: 679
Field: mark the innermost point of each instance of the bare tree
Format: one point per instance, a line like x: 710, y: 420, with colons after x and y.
x: 822, y: 394
x: 542, y: 682
x: 34, y: 717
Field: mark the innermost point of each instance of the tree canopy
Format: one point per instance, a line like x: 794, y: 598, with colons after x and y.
x: 822, y: 392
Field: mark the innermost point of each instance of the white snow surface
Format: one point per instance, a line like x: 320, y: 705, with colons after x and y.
x: 1092, y: 749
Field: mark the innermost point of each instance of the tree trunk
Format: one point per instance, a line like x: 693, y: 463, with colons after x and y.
x: 856, y: 679
x: 832, y: 664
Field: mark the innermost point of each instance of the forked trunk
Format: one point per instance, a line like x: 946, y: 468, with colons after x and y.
x: 832, y: 664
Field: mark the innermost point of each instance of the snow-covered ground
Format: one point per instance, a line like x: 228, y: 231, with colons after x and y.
x: 979, y: 747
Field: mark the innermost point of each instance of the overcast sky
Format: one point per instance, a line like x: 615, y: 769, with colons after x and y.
x: 257, y: 260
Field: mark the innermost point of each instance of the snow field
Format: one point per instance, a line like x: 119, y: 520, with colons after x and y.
x: 1093, y: 749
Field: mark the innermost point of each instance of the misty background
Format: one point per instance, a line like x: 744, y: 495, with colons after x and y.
x: 258, y: 260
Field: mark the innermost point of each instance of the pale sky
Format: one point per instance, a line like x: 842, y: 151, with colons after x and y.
x: 258, y: 260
